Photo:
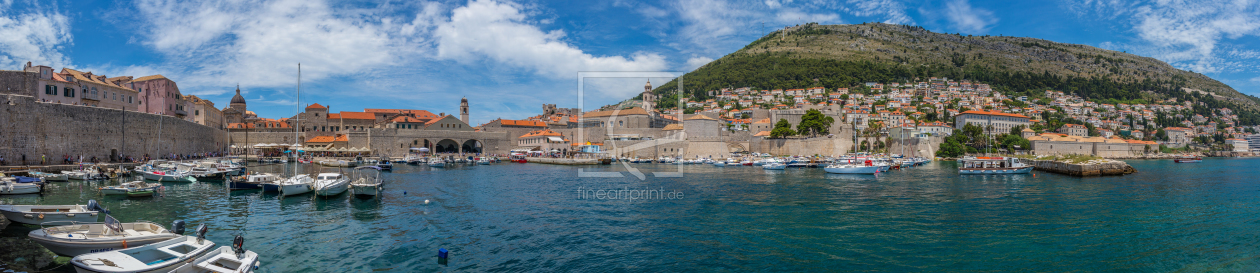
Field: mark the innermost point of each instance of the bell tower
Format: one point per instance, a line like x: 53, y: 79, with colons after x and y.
x: 649, y: 99
x: 463, y: 110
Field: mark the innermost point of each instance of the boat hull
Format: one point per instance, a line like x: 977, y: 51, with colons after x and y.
x: 294, y: 189
x: 78, y: 247
x: 975, y: 171
x: 331, y: 190
x: 167, y: 178
x: 19, y: 188
x: 368, y: 190
x: 80, y: 262
x: 857, y: 170
x: 15, y: 214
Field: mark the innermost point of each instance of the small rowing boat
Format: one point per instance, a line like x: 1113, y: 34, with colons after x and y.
x: 163, y: 256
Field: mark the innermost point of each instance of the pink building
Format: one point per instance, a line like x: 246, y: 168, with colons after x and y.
x: 160, y: 95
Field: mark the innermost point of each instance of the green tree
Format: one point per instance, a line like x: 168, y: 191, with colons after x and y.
x: 814, y: 123
x: 782, y: 129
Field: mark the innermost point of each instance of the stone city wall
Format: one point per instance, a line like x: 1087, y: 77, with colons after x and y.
x: 801, y: 147
x: 916, y: 147
x: 19, y: 83
x: 36, y: 128
x: 1106, y: 150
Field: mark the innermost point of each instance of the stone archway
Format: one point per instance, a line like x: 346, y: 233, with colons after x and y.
x: 446, y: 146
x: 472, y: 146
x: 735, y: 147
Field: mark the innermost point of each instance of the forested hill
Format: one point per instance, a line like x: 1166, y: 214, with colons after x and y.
x: 848, y: 55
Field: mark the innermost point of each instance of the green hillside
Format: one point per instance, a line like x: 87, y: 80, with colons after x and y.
x: 848, y: 55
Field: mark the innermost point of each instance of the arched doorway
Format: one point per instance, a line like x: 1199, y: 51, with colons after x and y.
x: 446, y: 146
x: 472, y: 146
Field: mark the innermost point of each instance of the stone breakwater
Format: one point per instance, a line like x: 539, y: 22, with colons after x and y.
x: 1100, y: 167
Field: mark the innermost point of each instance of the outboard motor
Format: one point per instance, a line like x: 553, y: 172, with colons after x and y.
x: 178, y: 227
x: 92, y: 205
x: 201, y: 232
x: 238, y: 245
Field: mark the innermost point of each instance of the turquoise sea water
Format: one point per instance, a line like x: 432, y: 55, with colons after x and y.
x: 531, y: 217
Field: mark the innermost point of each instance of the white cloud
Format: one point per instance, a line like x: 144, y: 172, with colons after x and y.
x: 1192, y: 35
x: 696, y: 62
x: 501, y: 32
x: 716, y: 26
x: 894, y: 12
x: 37, y: 35
x: 967, y: 18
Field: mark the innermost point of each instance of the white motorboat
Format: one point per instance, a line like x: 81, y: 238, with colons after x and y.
x: 224, y: 259
x: 165, y: 176
x: 329, y: 184
x: 84, y: 238
x: 773, y: 166
x: 39, y: 214
x: 162, y: 256
x: 366, y: 181
x: 719, y: 163
x: 993, y: 165
x: 51, y: 176
x: 437, y: 163
x: 12, y: 186
x: 851, y: 169
x: 298, y: 184
x: 129, y: 186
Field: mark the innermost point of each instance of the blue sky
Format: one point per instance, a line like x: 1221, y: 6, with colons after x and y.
x: 510, y: 57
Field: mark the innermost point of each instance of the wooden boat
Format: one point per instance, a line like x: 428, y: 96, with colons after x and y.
x: 84, y: 238
x: 329, y: 184
x: 64, y: 214
x: 126, y: 188
x: 366, y: 181
x: 993, y: 165
x: 162, y: 256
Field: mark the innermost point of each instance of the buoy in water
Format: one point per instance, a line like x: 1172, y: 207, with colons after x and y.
x: 442, y: 253
x: 426, y: 201
x: 404, y: 192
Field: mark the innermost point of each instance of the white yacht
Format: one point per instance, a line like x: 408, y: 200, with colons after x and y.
x: 12, y: 186
x: 329, y: 184
x: 298, y: 184
x: 851, y: 169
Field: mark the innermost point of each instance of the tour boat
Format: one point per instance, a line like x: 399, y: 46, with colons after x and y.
x: 1188, y: 160
x: 125, y: 188
x: 993, y: 165
x: 367, y: 181
x: 385, y: 165
x: 162, y: 256
x: 39, y: 214
x: 225, y: 259
x: 50, y: 176
x: 83, y: 238
x: 330, y: 184
x: 520, y: 158
x: 852, y: 169
x: 298, y: 184
x: 719, y: 163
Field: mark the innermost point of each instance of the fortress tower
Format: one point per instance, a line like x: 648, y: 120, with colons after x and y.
x: 463, y: 110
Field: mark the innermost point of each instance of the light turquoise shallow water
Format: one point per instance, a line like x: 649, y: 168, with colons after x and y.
x: 530, y: 217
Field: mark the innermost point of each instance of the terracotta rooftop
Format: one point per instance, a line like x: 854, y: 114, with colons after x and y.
x: 357, y: 115
x: 316, y: 106
x: 528, y: 123
x: 545, y: 132
x: 994, y: 114
x: 672, y: 127
x: 406, y: 119
x: 149, y: 78
x: 700, y: 117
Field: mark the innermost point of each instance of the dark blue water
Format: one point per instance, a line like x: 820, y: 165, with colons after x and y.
x: 530, y: 217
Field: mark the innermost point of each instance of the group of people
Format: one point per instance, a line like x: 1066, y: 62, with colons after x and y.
x: 80, y: 159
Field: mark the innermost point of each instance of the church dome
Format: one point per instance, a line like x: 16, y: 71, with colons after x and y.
x: 238, y: 99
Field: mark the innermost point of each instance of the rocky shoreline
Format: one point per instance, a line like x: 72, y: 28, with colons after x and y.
x: 1097, y: 167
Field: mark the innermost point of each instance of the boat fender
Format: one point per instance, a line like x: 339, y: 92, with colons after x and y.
x: 124, y: 243
x: 28, y: 216
x: 68, y: 215
x: 201, y: 232
x: 41, y: 216
x: 178, y: 227
x: 93, y: 214
x: 238, y: 245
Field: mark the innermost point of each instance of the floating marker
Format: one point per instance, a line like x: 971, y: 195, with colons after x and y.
x: 442, y: 253
x: 426, y: 201
x: 404, y: 192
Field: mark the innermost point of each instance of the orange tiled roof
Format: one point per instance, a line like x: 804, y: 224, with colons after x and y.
x: 334, y: 116
x: 416, y: 113
x: 993, y: 114
x: 762, y: 133
x: 529, y: 123
x: 406, y: 119
x: 544, y: 132
x: 322, y: 139
x: 357, y: 115
x: 316, y: 106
